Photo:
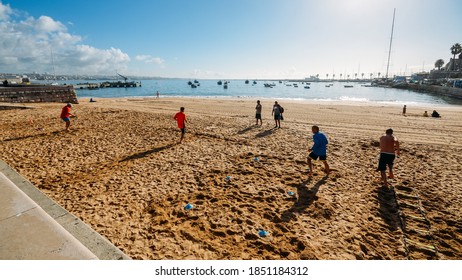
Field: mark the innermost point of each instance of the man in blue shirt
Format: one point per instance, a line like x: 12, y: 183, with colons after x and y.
x: 319, y: 149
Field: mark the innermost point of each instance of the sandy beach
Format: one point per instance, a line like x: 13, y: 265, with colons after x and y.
x: 121, y: 170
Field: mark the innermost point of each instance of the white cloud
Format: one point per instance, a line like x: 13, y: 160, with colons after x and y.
x: 31, y: 44
x: 150, y: 59
x: 47, y: 24
x: 5, y: 11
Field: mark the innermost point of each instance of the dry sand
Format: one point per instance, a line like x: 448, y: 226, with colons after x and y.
x: 121, y: 171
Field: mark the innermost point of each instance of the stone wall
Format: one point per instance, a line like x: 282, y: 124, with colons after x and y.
x: 38, y: 93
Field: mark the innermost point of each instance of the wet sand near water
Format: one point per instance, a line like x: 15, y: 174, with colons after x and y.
x: 122, y: 171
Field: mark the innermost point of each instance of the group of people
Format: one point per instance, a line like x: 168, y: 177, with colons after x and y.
x: 389, y: 148
x: 389, y: 144
x: 277, y: 113
x: 434, y: 114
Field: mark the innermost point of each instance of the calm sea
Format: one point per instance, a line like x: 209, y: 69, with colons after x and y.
x: 318, y: 91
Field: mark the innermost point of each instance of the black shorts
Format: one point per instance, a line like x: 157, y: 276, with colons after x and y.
x: 384, y: 160
x: 315, y: 156
x: 258, y: 116
x: 183, y: 130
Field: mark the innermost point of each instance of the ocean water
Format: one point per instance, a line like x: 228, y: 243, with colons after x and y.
x: 237, y: 88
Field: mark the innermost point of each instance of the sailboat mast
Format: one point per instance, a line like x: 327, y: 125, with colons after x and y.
x: 391, y: 40
x: 53, y: 63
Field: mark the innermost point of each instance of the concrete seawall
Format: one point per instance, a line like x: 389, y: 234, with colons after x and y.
x: 437, y: 90
x: 38, y: 93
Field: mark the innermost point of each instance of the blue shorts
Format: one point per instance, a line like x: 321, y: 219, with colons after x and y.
x: 66, y: 119
x: 315, y: 156
x: 277, y: 117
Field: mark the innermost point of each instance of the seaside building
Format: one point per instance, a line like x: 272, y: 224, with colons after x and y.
x: 452, y: 70
x: 15, y: 80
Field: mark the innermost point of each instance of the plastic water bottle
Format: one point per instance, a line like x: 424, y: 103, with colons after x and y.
x: 290, y: 193
x: 262, y: 233
x: 188, y: 207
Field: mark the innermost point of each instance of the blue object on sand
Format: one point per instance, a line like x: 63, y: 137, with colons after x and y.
x: 256, y: 159
x: 290, y: 193
x: 262, y: 233
x: 188, y: 207
x: 228, y: 178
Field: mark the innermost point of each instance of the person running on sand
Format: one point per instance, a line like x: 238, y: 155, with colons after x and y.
x: 319, y: 149
x: 66, y: 115
x: 404, y: 110
x: 258, y: 113
x: 277, y: 114
x: 389, y: 144
x: 180, y: 117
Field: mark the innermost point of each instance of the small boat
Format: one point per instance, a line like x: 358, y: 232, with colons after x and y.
x: 219, y: 83
x: 246, y: 82
x: 254, y: 82
x: 225, y: 86
x: 307, y: 87
x: 193, y: 85
x: 348, y: 86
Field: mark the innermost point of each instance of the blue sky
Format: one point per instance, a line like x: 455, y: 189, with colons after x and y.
x: 221, y: 39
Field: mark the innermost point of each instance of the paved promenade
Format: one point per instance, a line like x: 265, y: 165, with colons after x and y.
x: 34, y: 227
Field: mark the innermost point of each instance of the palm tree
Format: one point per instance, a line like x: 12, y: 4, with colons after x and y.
x: 356, y: 76
x: 327, y: 76
x: 455, y: 49
x: 341, y: 76
x: 378, y: 74
x: 370, y: 75
x: 439, y: 63
x: 362, y: 76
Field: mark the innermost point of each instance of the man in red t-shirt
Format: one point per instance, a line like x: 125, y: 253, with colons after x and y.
x: 180, y: 117
x: 66, y: 115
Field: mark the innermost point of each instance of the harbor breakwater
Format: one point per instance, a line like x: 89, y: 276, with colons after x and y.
x: 38, y: 93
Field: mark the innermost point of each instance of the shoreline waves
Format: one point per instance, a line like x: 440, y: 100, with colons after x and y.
x: 121, y: 170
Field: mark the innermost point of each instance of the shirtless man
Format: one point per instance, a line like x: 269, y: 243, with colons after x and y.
x: 388, y: 146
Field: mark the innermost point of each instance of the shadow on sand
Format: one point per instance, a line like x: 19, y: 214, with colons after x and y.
x: 34, y: 136
x: 247, y: 129
x: 388, y: 207
x: 265, y: 133
x: 147, y: 153
x: 305, y: 198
